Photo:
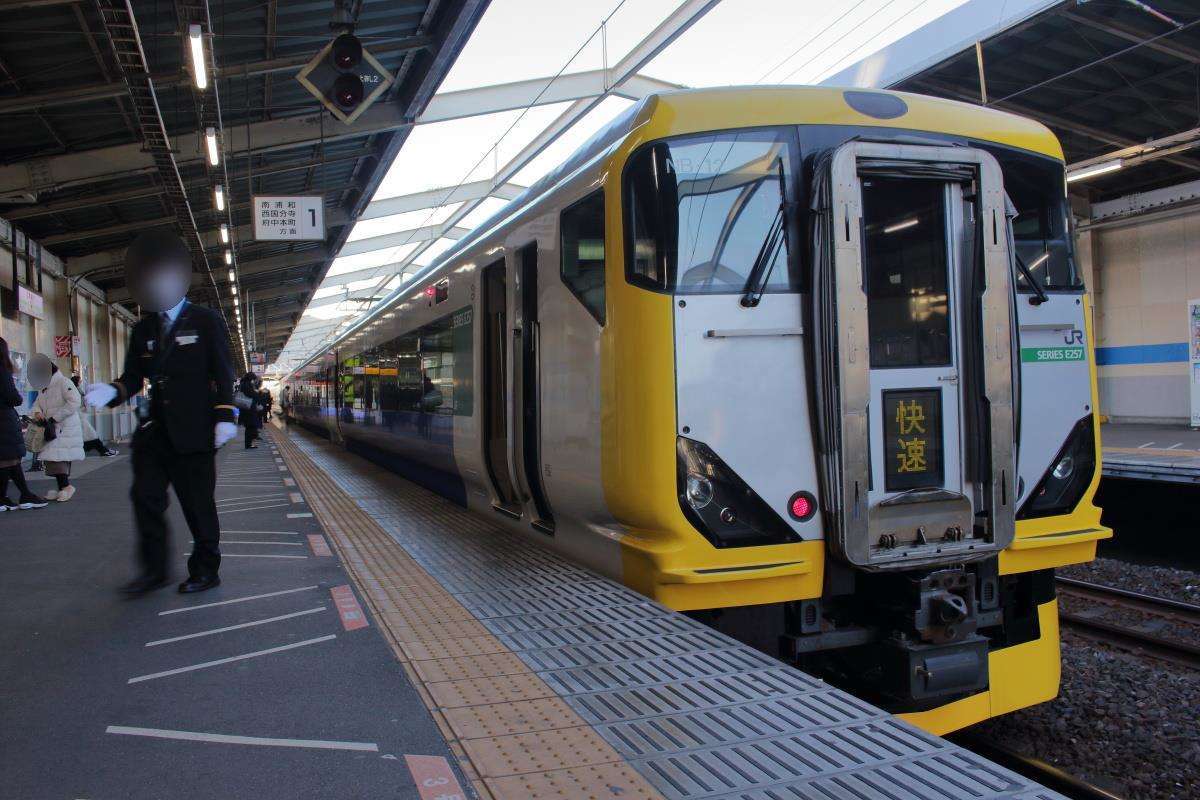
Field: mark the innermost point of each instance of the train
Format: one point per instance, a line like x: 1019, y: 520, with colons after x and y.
x: 812, y: 364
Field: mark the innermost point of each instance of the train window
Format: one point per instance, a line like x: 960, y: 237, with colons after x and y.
x: 699, y: 209
x: 1041, y: 230
x: 581, y: 235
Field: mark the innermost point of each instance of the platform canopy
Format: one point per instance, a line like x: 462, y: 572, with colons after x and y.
x: 536, y: 79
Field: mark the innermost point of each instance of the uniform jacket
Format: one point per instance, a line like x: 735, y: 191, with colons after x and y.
x: 12, y: 442
x: 195, y: 386
x: 60, y: 401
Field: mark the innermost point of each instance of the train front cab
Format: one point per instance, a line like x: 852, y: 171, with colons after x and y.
x: 853, y: 472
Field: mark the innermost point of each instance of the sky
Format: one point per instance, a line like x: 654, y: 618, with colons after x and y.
x: 737, y: 42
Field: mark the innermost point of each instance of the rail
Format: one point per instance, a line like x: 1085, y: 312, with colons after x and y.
x: 1129, y: 638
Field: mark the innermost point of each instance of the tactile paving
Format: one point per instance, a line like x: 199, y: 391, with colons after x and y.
x: 560, y: 683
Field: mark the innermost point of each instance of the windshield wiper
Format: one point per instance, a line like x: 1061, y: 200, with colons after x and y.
x: 1039, y: 294
x: 764, y: 262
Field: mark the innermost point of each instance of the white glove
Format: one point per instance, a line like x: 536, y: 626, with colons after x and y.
x: 223, y: 432
x: 100, y: 395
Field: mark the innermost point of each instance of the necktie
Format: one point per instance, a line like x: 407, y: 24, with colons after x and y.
x: 164, y: 329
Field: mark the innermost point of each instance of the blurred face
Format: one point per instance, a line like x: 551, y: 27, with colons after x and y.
x: 160, y: 284
x: 39, y: 371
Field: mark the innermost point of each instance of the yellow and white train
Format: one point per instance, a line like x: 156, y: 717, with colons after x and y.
x: 812, y: 361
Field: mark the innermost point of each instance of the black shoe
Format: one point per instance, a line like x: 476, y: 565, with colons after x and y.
x: 145, y: 583
x: 199, y: 584
x: 109, y: 453
x: 32, y: 501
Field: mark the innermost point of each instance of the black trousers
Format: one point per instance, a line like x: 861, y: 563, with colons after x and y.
x: 156, y: 465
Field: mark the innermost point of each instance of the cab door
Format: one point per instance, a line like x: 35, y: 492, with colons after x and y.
x: 912, y: 306
x: 911, y: 270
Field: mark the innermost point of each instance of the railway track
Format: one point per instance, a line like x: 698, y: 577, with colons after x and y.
x: 1131, y: 638
x: 1046, y: 774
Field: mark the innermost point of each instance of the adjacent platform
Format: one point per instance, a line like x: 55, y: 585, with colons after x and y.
x: 1151, y: 453
x: 536, y: 677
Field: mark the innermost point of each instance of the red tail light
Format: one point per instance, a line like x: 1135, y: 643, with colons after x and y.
x: 802, y: 506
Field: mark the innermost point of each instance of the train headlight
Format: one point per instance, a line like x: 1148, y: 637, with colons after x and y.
x: 1068, y: 477
x: 1063, y: 469
x: 699, y: 491
x: 722, y: 506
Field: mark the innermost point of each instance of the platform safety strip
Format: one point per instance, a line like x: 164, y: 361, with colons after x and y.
x: 553, y: 681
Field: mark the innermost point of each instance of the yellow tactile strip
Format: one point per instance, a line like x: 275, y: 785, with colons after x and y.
x: 515, y: 738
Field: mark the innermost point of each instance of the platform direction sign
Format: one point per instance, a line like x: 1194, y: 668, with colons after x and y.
x: 289, y: 218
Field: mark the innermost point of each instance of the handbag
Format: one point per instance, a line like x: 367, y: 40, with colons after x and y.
x: 242, y: 401
x: 35, y: 438
x: 51, y: 431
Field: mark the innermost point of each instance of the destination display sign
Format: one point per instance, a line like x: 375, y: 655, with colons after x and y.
x: 912, y: 424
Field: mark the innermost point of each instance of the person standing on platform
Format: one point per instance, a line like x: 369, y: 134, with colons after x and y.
x: 57, y: 410
x: 251, y: 417
x: 12, y: 440
x: 182, y: 350
x: 267, y: 401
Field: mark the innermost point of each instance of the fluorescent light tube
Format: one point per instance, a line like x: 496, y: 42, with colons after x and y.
x: 1094, y: 170
x: 199, y: 69
x: 210, y: 141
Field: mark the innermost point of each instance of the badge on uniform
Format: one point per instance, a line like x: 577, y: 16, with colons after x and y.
x: 150, y: 345
x: 187, y: 339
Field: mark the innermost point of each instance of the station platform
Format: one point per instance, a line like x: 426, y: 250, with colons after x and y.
x: 1151, y: 452
x: 370, y: 639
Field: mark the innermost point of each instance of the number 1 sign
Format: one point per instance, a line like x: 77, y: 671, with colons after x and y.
x: 290, y: 218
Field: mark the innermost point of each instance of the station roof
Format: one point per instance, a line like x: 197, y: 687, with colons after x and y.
x: 1112, y: 78
x: 80, y: 174
x: 537, y: 79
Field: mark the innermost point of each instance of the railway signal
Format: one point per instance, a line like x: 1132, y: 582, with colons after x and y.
x: 345, y: 77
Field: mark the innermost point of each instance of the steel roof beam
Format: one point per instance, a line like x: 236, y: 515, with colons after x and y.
x: 106, y: 91
x: 363, y: 274
x: 108, y: 163
x: 443, y: 195
x: 292, y: 132
x: 425, y: 233
x: 1129, y: 33
x: 536, y: 92
x: 686, y: 15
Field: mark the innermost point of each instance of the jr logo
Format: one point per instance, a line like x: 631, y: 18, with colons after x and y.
x: 1073, y: 336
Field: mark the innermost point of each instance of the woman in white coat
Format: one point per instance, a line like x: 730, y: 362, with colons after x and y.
x: 58, y: 400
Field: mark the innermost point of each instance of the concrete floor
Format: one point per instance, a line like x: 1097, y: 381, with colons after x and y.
x: 85, y: 669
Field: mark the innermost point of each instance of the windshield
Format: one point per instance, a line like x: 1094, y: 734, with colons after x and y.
x: 1040, y: 229
x: 699, y: 209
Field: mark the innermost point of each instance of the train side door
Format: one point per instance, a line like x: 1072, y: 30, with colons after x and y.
x: 527, y: 385
x: 913, y: 310
x: 495, y: 375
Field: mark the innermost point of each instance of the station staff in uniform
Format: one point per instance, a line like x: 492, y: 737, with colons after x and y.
x: 182, y: 350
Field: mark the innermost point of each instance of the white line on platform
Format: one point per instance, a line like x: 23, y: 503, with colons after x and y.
x: 250, y: 497
x: 289, y: 482
x: 1177, y: 444
x: 239, y: 600
x: 284, y: 533
x: 235, y: 627
x: 261, y: 541
x: 230, y: 660
x: 301, y: 515
x: 221, y: 738
x: 254, y: 508
x: 1147, y: 444
x: 252, y: 555
x: 296, y: 497
x: 283, y: 469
